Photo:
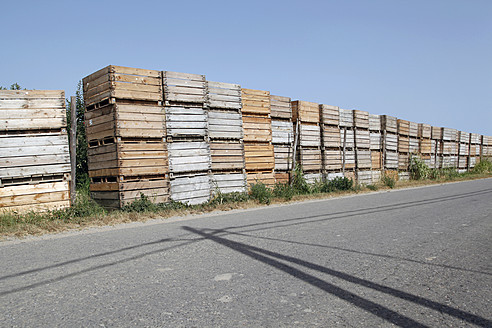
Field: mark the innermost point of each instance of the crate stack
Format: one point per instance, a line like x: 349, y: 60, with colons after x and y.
x: 436, y: 146
x: 425, y: 148
x: 450, y: 148
x: 185, y: 97
x: 389, y: 129
x: 34, y: 151
x: 347, y: 142
x: 257, y: 130
x: 463, y: 151
x: 375, y: 146
x: 125, y: 125
x: 282, y: 137
x: 403, y: 147
x: 474, y: 150
x: 306, y: 117
x: 330, y: 142
x: 486, y: 147
x: 225, y: 132
x: 362, y: 145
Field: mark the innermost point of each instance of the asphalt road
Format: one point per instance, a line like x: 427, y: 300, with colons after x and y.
x: 410, y: 258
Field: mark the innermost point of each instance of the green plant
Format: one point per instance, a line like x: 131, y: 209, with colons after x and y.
x: 283, y: 190
x: 299, y: 183
x: 338, y: 183
x: 418, y: 169
x: 261, y: 193
x: 485, y: 166
x: 372, y: 187
x: 142, y: 204
x: 388, y: 181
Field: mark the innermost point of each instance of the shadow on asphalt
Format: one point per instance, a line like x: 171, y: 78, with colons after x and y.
x: 254, y: 252
x: 271, y: 258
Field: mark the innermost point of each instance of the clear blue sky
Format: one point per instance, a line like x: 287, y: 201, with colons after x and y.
x: 421, y: 60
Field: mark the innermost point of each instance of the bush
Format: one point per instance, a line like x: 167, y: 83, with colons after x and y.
x: 140, y: 205
x: 283, y: 190
x: 418, y: 169
x: 337, y: 183
x: 388, y: 181
x: 372, y: 187
x: 299, y: 183
x: 485, y: 166
x: 233, y: 197
x: 261, y: 193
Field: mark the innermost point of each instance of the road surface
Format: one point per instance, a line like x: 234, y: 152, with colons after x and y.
x: 411, y: 258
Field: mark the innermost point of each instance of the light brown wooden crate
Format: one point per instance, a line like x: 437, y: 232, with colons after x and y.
x: 35, y: 197
x: 403, y: 127
x: 227, y: 156
x: 425, y: 146
x: 424, y: 131
x: 331, y: 136
x: 361, y: 119
x: 305, y: 111
x: 255, y: 102
x: 332, y: 159
x: 282, y: 177
x: 259, y: 156
x: 376, y: 160
x: 257, y: 128
x: 329, y: 115
x: 265, y: 177
x: 310, y: 159
x: 403, y: 144
x: 281, y: 107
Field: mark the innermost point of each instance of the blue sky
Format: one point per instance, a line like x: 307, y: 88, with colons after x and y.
x: 424, y: 61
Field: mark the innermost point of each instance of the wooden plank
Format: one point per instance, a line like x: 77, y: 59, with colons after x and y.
x: 281, y: 107
x: 346, y: 117
x: 305, y: 111
x: 329, y: 115
x: 134, y: 71
x: 32, y: 94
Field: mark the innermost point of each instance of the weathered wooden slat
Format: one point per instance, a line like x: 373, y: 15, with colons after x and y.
x: 330, y: 115
x: 281, y: 107
x: 364, y: 159
x: 361, y: 119
x: 346, y: 117
x: 282, y: 132
x: 389, y: 123
x: 227, y: 183
x: 332, y: 159
x: 374, y: 122
x: 305, y: 111
x: 283, y: 157
x: 191, y: 190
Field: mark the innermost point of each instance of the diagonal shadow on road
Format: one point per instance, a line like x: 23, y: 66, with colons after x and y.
x: 374, y: 308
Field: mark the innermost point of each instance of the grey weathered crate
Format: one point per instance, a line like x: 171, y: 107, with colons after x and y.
x: 424, y: 131
x: 376, y: 141
x: 449, y: 134
x: 364, y: 159
x: 333, y: 175
x: 32, y: 110
x: 348, y: 158
x: 413, y: 145
x: 449, y: 148
x: 346, y: 117
x: 414, y: 129
x: 189, y: 157
x: 436, y: 133
x: 404, y: 176
x: 184, y: 87
x: 347, y: 138
x: 472, y: 161
x: 403, y: 161
x: 361, y: 119
x: 390, y: 142
x: 463, y: 149
x: 450, y: 161
x: 391, y: 160
x: 474, y: 138
x: 191, y: 190
x: 309, y: 135
x: 376, y: 176
x: 223, y: 95
x: 280, y: 107
x: 364, y: 177
x: 313, y: 177
x: 26, y: 155
x: 228, y: 182
x: 464, y: 137
x: 374, y: 122
x: 362, y: 138
x: 389, y: 124
x: 463, y: 162
x: 225, y: 125
x: 330, y: 115
x: 283, y: 157
x: 282, y: 132
x: 186, y: 122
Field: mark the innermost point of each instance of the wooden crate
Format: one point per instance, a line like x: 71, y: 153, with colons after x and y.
x: 347, y: 138
x: 32, y: 110
x: 283, y: 157
x: 309, y: 135
x: 474, y: 150
x: 375, y: 141
x: 192, y: 156
x: 330, y: 136
x: 362, y: 138
x: 403, y: 176
x: 464, y: 149
x: 425, y: 146
x: 376, y: 160
x: 191, y: 190
x: 184, y: 88
x: 413, y: 145
x: 115, y: 192
x: 332, y: 159
x: 282, y: 177
x: 26, y: 155
x: 186, y: 122
x: 474, y: 138
x: 361, y: 119
x: 226, y: 183
x: 449, y: 134
x: 128, y: 157
x: 257, y: 128
x: 333, y: 175
x: 348, y: 159
x: 310, y: 159
x: 349, y: 175
x: 376, y: 176
x: 449, y: 148
x: 223, y: 96
x: 265, y: 177
x: 403, y: 127
x: 413, y: 130
x: 436, y: 133
x: 393, y: 174
x: 255, y: 102
x: 374, y: 122
x: 225, y: 125
x: 424, y: 131
x: 464, y: 137
x: 403, y: 144
x: 390, y: 142
x: 330, y: 115
x: 391, y: 160
x: 363, y: 159
x: 463, y: 162
x: 281, y: 107
x: 473, y: 161
x: 305, y: 112
x: 389, y: 124
x: 227, y: 155
x: 403, y: 161
x: 125, y: 120
x: 282, y: 132
x: 346, y: 118
x: 33, y: 197
x: 449, y: 161
x: 313, y: 177
x: 117, y: 82
x: 364, y: 177
x: 259, y: 157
